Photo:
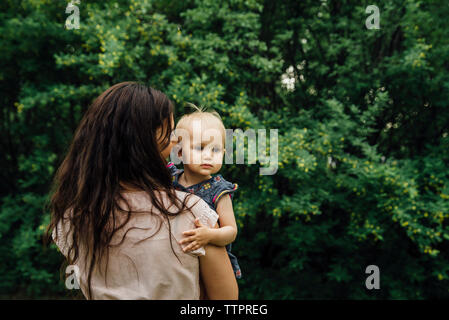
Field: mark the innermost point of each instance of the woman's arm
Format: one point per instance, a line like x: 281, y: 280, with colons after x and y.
x: 217, y: 274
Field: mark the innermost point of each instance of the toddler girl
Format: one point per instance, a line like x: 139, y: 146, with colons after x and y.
x: 201, y: 149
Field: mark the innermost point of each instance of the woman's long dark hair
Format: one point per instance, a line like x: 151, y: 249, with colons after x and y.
x: 115, y: 144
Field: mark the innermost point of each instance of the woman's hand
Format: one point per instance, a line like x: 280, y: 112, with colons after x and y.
x: 198, y: 237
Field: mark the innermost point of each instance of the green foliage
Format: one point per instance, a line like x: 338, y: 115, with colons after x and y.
x: 363, y: 141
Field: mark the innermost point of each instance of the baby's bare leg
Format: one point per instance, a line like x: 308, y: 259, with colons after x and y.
x: 217, y: 274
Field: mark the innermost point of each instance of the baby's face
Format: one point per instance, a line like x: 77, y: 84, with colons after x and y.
x: 202, y: 153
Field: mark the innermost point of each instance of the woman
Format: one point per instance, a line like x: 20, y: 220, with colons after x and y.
x: 115, y: 213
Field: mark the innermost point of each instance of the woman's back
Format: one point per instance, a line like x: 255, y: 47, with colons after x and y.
x: 144, y: 266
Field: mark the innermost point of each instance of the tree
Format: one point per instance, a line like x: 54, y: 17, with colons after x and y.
x: 363, y: 139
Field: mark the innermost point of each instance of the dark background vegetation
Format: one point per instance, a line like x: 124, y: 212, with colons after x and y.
x: 363, y: 131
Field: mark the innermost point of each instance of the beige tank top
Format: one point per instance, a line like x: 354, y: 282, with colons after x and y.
x: 147, y: 269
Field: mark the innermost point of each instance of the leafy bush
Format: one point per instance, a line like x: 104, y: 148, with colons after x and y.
x: 363, y: 144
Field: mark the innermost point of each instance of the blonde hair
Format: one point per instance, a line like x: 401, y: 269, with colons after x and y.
x: 200, y: 113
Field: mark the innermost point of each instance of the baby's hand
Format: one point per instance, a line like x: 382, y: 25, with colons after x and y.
x: 198, y: 237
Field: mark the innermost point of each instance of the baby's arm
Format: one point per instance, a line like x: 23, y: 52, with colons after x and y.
x: 227, y: 232
x: 222, y: 236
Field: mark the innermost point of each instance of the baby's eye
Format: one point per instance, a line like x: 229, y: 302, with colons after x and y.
x: 216, y: 149
x: 198, y: 148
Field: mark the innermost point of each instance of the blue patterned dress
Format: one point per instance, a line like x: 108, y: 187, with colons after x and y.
x: 210, y: 190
